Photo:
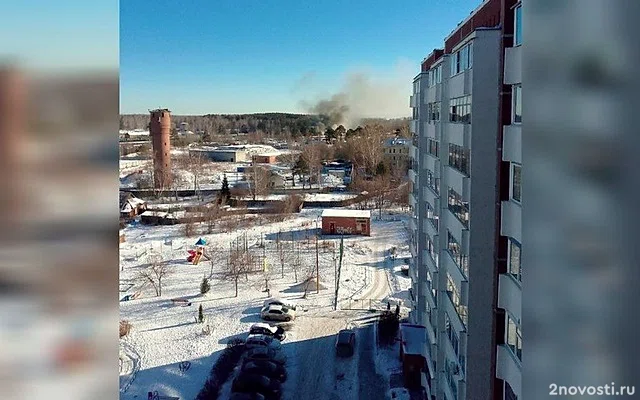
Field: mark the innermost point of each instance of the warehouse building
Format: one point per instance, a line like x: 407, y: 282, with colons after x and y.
x: 346, y: 222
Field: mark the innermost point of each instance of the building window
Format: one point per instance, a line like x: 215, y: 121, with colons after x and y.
x: 508, y: 392
x: 517, y: 40
x: 516, y: 182
x: 460, y: 110
x: 462, y: 260
x: 517, y: 104
x: 433, y: 111
x: 432, y: 217
x: 458, y: 207
x: 461, y: 60
x: 454, y: 296
x: 450, y: 371
x: 433, y: 183
x: 459, y: 158
x: 431, y: 248
x: 514, y: 337
x: 433, y: 148
x: 451, y: 334
x: 514, y: 267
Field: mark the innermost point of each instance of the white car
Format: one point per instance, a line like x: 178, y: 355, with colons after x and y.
x: 279, y: 302
x: 277, y: 313
x: 262, y: 341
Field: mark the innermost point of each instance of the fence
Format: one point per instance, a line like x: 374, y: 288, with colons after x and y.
x: 368, y: 304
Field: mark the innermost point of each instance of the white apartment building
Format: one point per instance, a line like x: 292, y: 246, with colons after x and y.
x: 466, y: 232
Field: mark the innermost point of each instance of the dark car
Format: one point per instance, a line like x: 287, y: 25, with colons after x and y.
x: 260, y: 328
x: 252, y: 383
x: 267, y: 354
x: 345, y: 343
x: 247, y: 396
x: 267, y: 368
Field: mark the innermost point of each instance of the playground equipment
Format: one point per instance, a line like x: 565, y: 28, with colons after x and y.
x: 198, y: 253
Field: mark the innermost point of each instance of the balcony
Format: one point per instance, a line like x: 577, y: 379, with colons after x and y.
x: 412, y: 221
x: 511, y: 221
x: 413, y: 100
x: 510, y: 295
x: 413, y: 151
x: 412, y: 176
x: 508, y: 369
x: 513, y: 65
x: 512, y: 145
x: 413, y: 126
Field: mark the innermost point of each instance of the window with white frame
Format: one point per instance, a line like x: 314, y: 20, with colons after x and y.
x: 517, y: 27
x: 432, y: 217
x: 458, y: 207
x: 461, y: 259
x: 460, y: 109
x: 454, y: 296
x: 515, y: 252
x: 433, y: 147
x: 516, y: 116
x: 433, y: 183
x: 516, y: 182
x: 514, y: 337
x: 433, y: 111
x: 461, y: 60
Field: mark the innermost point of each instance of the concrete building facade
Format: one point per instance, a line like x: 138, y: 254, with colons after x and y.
x: 160, y: 131
x: 462, y: 235
x: 396, y: 152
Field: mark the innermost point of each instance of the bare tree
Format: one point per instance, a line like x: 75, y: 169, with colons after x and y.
x: 308, y: 279
x: 190, y: 228
x: 313, y: 154
x: 367, y: 147
x: 259, y: 179
x: 155, y: 272
x: 239, y: 263
x: 212, y: 214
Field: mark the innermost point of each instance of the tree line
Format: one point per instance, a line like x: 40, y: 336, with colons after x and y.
x: 275, y: 124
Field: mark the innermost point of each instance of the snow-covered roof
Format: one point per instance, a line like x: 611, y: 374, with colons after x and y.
x: 413, y: 338
x: 264, y: 325
x: 334, y: 212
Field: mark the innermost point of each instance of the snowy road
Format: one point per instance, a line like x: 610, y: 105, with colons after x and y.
x: 316, y: 372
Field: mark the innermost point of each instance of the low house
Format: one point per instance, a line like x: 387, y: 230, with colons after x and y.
x: 264, y: 159
x: 277, y: 180
x: 346, y: 222
x: 130, y: 205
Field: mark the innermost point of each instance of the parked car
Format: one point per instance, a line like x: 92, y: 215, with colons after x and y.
x: 252, y: 383
x: 262, y: 341
x: 280, y: 302
x: 345, y: 343
x: 266, y: 354
x: 247, y: 396
x: 260, y: 328
x: 277, y: 313
x: 267, y: 368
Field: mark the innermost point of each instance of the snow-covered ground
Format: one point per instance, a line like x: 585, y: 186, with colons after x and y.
x: 163, y: 334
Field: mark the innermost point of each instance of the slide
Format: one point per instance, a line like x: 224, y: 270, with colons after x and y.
x: 196, y: 258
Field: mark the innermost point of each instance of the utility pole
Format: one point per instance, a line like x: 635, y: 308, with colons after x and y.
x: 317, y: 262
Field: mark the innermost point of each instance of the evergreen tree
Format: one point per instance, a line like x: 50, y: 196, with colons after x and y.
x: 225, y: 192
x: 204, y: 286
x: 200, y: 314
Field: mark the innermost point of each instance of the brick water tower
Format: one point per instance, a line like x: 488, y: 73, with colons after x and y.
x: 160, y: 131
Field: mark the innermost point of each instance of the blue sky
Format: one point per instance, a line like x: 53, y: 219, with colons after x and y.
x: 61, y: 35
x: 240, y: 56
